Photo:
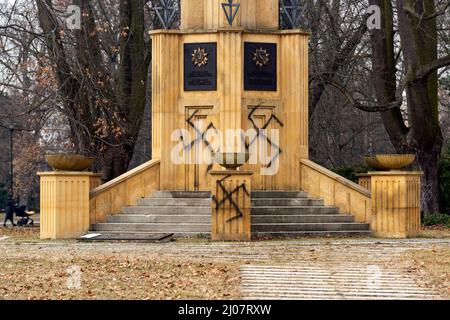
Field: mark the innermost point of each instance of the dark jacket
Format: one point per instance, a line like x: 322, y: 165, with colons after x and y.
x: 9, y: 209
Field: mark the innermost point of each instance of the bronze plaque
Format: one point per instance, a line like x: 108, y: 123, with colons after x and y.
x: 260, y: 66
x: 200, y: 66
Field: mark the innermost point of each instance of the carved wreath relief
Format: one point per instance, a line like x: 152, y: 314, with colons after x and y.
x: 261, y: 57
x: 200, y: 57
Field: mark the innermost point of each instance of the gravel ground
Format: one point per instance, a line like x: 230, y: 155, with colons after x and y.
x: 196, y: 269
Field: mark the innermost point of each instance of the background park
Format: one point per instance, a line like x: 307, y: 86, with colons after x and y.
x: 378, y: 84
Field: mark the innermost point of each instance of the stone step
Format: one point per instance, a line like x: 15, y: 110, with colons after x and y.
x: 206, y: 227
x: 297, y: 227
x: 167, y: 210
x: 159, y: 218
x: 299, y: 234
x: 153, y: 227
x: 191, y: 202
x: 133, y: 235
x: 280, y: 214
x: 204, y: 202
x: 327, y: 218
x: 294, y: 210
x: 182, y: 194
x: 144, y: 218
x: 278, y: 194
x: 285, y: 202
x: 204, y: 210
x: 303, y: 234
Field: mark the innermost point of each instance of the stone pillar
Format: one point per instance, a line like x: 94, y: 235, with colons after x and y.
x: 267, y: 14
x: 231, y: 205
x: 65, y: 203
x: 209, y: 15
x: 395, y: 203
x: 192, y: 14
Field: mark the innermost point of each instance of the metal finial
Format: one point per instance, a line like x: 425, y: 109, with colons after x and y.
x: 293, y: 11
x: 228, y: 9
x: 166, y: 12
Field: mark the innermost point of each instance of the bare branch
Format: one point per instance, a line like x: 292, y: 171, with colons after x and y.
x: 413, y: 12
x: 354, y: 103
x: 426, y: 70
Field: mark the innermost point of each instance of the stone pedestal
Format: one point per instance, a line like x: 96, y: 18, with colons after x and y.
x: 395, y: 203
x: 65, y: 203
x: 231, y: 205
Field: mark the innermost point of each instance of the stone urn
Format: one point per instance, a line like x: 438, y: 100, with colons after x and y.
x: 231, y: 161
x: 390, y: 162
x: 69, y: 162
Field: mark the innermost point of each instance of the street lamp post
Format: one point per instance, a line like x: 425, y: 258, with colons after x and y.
x: 11, y: 130
x: 11, y: 141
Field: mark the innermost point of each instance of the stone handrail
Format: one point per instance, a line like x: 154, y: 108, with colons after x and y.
x: 336, y: 191
x: 123, y: 191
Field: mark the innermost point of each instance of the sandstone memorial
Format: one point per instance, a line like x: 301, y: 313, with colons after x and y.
x: 230, y: 147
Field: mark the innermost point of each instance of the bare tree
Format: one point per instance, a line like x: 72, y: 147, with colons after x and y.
x: 421, y: 134
x: 404, y: 65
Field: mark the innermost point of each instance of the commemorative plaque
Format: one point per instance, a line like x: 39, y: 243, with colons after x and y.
x: 200, y: 66
x: 260, y: 66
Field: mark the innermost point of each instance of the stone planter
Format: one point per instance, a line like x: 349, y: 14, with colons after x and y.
x: 69, y: 162
x: 387, y: 162
x: 231, y: 161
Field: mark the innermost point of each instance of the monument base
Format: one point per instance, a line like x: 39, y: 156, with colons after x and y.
x: 65, y: 203
x: 395, y: 203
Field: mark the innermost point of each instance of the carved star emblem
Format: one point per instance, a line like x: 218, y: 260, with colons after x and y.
x: 200, y: 57
x: 261, y: 57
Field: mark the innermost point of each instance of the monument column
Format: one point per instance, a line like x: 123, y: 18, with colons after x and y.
x: 229, y: 67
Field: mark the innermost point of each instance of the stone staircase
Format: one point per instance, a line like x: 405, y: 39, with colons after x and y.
x: 293, y: 214
x: 188, y: 214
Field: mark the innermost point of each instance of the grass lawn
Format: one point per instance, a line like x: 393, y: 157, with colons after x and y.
x: 432, y: 267
x: 115, y: 277
x: 20, y: 234
x: 435, y: 232
x: 27, y: 272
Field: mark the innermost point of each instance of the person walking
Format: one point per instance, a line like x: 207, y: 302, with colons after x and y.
x: 9, y: 212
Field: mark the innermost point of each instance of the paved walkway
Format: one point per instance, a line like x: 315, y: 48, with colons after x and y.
x: 300, y: 269
x: 330, y: 282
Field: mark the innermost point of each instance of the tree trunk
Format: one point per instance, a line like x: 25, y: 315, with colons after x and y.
x: 419, y: 43
x: 428, y: 163
x: 384, y: 76
x: 104, y: 112
x: 419, y: 47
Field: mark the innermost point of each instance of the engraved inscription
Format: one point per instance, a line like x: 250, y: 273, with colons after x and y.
x: 200, y: 66
x: 260, y: 66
